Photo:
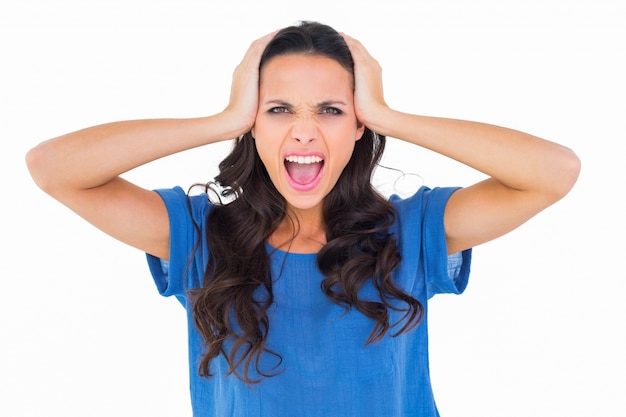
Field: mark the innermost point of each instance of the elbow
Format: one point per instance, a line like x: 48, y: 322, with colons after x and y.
x: 568, y: 170
x: 36, y: 162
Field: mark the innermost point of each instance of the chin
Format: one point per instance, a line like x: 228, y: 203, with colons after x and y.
x: 302, y: 202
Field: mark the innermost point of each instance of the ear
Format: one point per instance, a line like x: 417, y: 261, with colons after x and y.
x: 360, y: 129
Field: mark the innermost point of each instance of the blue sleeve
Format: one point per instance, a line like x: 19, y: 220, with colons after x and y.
x: 444, y: 274
x: 423, y: 243
x: 185, y: 265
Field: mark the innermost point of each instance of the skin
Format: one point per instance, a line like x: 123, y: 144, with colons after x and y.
x: 82, y: 169
x: 306, y: 107
x: 527, y: 174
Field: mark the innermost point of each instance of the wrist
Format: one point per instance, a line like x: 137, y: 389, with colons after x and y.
x: 231, y: 125
x: 379, y: 119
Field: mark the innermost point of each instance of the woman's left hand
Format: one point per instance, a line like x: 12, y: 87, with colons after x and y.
x: 527, y: 174
x: 369, y: 101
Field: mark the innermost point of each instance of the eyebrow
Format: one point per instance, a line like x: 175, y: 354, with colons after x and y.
x: 324, y: 103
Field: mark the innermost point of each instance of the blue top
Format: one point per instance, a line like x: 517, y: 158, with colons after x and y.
x: 327, y: 370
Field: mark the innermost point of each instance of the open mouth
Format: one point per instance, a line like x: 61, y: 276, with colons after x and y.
x: 304, y: 171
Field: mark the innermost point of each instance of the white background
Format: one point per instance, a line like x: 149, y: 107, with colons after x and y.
x: 541, y: 328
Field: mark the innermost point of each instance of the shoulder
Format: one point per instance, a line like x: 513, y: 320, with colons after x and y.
x: 419, y: 220
x: 421, y: 237
x: 181, y: 204
x: 424, y: 201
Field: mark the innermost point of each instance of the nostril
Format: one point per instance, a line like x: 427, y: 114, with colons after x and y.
x: 304, y: 141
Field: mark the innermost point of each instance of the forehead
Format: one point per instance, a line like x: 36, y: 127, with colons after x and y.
x: 301, y: 71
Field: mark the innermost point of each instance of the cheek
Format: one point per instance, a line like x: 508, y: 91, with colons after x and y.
x: 341, y: 154
x: 267, y: 150
x: 270, y: 129
x: 348, y: 150
x: 262, y: 136
x: 345, y: 141
x: 262, y: 149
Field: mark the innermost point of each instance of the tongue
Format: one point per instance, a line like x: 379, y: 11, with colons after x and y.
x: 303, y: 173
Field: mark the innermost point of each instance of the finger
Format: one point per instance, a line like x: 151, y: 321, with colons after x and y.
x: 358, y: 51
x: 350, y: 41
x: 259, y: 45
x: 252, y: 57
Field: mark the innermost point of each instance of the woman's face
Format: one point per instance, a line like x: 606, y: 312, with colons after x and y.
x: 306, y: 127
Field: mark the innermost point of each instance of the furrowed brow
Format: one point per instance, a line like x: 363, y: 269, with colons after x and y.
x: 280, y: 103
x: 327, y: 103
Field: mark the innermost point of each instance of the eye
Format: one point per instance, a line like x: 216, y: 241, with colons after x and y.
x: 278, y: 110
x: 331, y: 110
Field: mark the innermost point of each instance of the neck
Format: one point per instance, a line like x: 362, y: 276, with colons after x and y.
x: 301, y: 231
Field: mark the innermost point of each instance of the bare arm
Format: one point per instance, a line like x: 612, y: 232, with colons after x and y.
x: 527, y: 174
x: 82, y: 169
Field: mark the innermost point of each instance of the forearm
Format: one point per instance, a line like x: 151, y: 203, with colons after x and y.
x: 96, y: 155
x: 516, y: 159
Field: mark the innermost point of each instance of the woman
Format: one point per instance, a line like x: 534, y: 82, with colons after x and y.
x: 306, y: 291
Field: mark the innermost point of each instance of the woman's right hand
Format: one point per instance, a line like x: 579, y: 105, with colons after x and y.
x: 82, y: 169
x: 244, y: 93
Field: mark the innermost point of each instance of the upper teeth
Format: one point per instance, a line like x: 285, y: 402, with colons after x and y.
x: 303, y: 159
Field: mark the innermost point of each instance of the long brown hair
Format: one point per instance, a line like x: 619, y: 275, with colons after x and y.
x: 236, y: 294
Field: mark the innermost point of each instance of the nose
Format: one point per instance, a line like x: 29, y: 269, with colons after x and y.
x: 304, y: 130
